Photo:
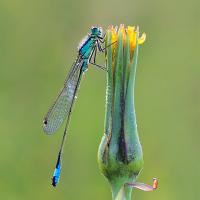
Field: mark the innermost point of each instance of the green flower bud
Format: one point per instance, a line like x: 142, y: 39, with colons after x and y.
x: 120, y: 152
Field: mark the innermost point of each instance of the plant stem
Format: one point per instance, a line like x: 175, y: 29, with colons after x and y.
x: 123, y: 194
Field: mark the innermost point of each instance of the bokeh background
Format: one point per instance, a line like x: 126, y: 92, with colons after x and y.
x: 38, y: 43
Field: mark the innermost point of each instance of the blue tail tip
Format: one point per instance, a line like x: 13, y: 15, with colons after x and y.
x: 54, y: 181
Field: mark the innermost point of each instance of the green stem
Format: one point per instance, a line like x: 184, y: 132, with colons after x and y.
x: 123, y: 194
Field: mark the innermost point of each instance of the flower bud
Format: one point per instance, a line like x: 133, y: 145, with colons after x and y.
x: 120, y: 152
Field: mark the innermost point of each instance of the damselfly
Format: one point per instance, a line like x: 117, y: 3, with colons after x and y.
x: 62, y: 107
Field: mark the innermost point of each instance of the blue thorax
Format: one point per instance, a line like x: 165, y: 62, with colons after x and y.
x: 86, y: 47
x: 85, y: 51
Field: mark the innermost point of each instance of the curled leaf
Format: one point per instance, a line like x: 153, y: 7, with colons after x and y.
x: 143, y: 186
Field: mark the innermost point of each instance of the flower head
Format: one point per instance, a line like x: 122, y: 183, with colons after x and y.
x: 120, y: 152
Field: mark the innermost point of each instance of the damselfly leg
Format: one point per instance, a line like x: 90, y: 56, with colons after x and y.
x: 94, y: 53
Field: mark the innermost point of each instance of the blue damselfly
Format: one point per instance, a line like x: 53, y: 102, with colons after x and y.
x: 62, y: 107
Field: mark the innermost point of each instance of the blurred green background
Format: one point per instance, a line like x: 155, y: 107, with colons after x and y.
x: 38, y: 43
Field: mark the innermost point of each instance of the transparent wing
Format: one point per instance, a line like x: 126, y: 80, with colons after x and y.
x: 62, y: 106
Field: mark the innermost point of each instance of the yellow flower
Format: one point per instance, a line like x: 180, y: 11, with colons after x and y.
x: 132, y: 33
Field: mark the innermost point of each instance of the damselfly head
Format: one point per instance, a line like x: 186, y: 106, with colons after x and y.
x: 96, y: 31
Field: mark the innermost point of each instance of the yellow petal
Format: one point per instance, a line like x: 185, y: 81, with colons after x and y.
x: 142, y: 39
x: 123, y: 33
x: 114, y: 35
x: 132, y: 36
